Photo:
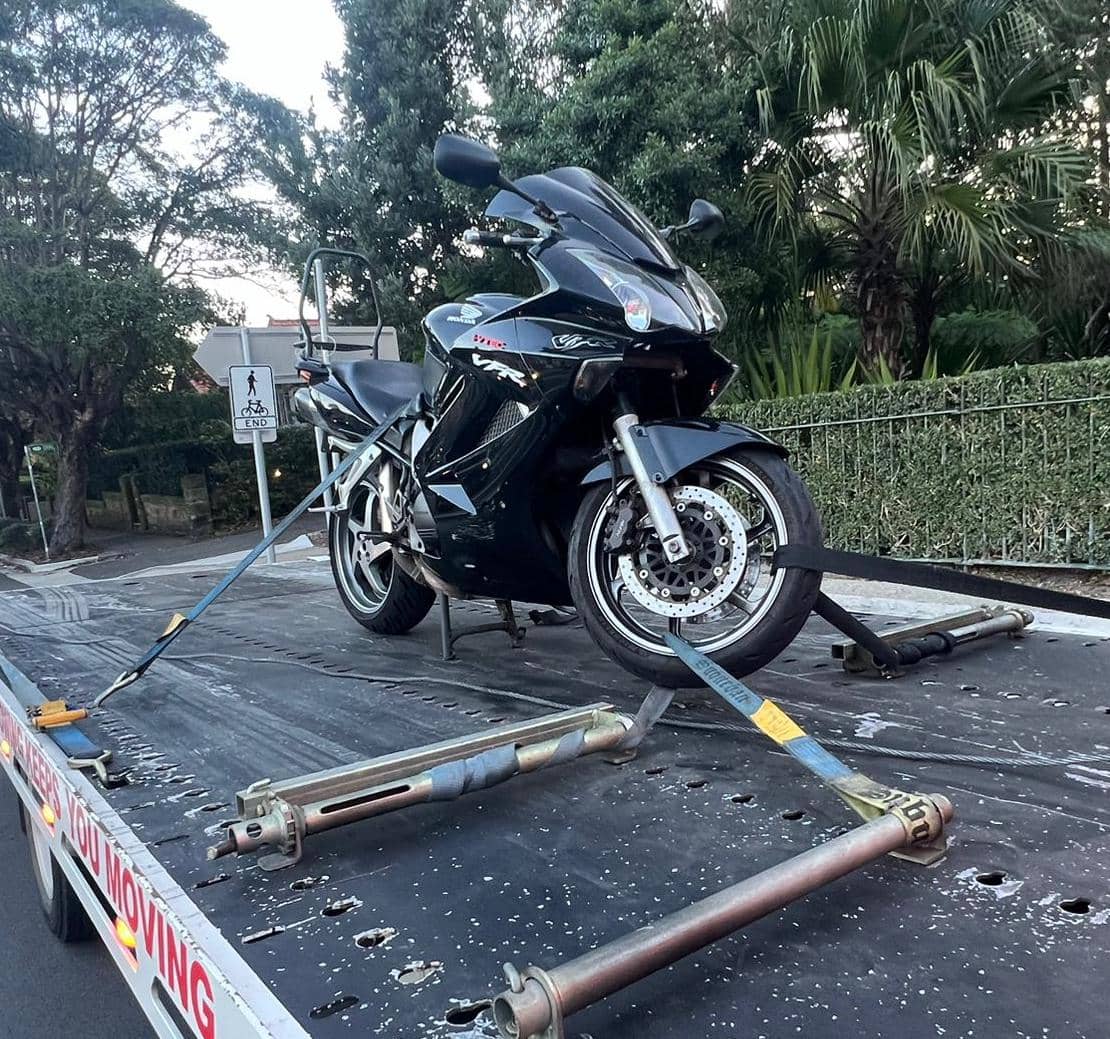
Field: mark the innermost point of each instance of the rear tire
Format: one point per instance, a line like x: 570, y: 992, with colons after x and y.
x: 65, y: 916
x: 779, y: 620
x: 379, y: 594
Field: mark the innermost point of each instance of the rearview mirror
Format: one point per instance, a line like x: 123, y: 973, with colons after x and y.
x: 466, y: 161
x: 705, y: 220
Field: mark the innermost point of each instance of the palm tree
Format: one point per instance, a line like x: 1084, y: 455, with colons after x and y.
x: 916, y: 135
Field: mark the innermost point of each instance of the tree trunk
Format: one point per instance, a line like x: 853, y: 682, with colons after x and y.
x: 880, y: 295
x: 68, y: 531
x: 12, y: 438
x: 923, y: 306
x: 9, y: 498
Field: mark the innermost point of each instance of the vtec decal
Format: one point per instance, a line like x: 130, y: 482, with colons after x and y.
x: 495, y: 344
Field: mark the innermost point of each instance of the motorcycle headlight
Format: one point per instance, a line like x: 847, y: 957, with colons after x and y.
x: 645, y: 303
x: 713, y: 313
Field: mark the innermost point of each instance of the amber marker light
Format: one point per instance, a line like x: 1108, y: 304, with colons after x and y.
x: 127, y: 941
x: 124, y: 935
x: 49, y: 816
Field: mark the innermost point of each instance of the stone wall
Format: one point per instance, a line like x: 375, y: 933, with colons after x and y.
x: 130, y: 509
x: 112, y: 513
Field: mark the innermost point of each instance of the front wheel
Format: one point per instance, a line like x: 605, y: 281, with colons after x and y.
x: 727, y: 599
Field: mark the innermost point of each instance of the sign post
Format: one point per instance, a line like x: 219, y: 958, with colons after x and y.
x: 35, y: 492
x: 254, y: 420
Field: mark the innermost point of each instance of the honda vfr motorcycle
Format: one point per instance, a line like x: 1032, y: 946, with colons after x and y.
x: 553, y: 449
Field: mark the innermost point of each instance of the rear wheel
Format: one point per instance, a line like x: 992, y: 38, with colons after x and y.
x: 727, y: 600
x: 375, y: 591
x: 65, y: 916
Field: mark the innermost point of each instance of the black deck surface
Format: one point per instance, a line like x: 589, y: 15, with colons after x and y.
x: 276, y: 680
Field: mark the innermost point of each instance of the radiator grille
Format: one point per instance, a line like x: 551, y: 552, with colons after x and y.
x: 508, y: 416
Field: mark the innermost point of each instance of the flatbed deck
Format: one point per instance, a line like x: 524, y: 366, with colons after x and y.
x: 1007, y: 936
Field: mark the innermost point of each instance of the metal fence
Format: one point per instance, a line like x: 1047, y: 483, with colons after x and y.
x: 1009, y: 466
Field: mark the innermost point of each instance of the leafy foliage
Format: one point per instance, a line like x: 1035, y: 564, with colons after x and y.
x: 103, y: 226
x: 993, y: 465
x: 649, y: 96
x: 372, y: 188
x: 791, y: 371
x: 918, y: 137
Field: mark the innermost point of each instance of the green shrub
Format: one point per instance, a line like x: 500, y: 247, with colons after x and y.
x: 169, y: 417
x: 1007, y: 464
x: 990, y: 337
x: 158, y: 468
x: 16, y: 536
x: 292, y: 468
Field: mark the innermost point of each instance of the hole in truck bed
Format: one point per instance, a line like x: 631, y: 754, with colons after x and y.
x: 415, y: 973
x: 375, y: 937
x: 336, y: 1006
x: 306, y: 882
x: 261, y: 936
x: 1076, y: 905
x: 467, y: 1013
x: 344, y: 905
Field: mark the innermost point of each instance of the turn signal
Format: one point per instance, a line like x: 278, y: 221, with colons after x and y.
x: 49, y: 816
x: 5, y: 748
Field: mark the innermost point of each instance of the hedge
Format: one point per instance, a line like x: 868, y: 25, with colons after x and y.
x: 158, y: 469
x: 1007, y: 465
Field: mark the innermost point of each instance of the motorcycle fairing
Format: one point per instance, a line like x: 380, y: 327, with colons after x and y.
x: 671, y: 445
x: 503, y: 396
x: 590, y: 212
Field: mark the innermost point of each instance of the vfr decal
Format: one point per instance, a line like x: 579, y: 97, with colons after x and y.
x: 502, y: 371
x: 581, y: 342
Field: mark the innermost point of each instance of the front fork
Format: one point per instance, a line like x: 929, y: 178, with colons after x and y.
x: 663, y: 517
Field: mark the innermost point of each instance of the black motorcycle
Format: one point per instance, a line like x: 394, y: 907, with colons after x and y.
x: 552, y: 449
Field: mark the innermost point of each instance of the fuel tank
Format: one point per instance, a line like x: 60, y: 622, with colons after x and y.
x: 447, y: 322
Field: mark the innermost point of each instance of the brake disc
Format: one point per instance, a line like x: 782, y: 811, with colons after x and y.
x: 716, y: 533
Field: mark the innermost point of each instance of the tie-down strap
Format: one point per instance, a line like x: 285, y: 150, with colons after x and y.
x: 919, y: 814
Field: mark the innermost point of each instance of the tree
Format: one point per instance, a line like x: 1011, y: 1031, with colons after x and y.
x: 103, y: 224
x: 13, y: 436
x: 653, y: 97
x: 917, y: 135
x: 372, y: 187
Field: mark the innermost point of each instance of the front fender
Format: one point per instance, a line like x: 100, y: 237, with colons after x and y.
x: 670, y: 445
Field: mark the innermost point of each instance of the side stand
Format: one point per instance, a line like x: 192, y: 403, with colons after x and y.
x: 507, y: 624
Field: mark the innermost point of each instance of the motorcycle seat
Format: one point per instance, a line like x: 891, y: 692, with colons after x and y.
x: 379, y: 386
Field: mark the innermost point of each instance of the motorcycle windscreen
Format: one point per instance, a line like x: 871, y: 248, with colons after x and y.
x: 590, y: 211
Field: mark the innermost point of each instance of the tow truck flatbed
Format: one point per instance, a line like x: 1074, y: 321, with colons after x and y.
x: 398, y: 926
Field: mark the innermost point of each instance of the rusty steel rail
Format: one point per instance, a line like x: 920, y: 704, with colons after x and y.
x: 537, y: 1001
x: 281, y: 815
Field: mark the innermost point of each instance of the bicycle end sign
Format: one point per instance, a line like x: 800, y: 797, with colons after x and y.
x: 253, y: 402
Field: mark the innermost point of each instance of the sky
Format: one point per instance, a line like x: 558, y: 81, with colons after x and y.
x: 276, y: 47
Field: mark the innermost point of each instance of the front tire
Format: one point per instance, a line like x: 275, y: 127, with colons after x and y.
x: 765, y: 608
x: 373, y: 588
